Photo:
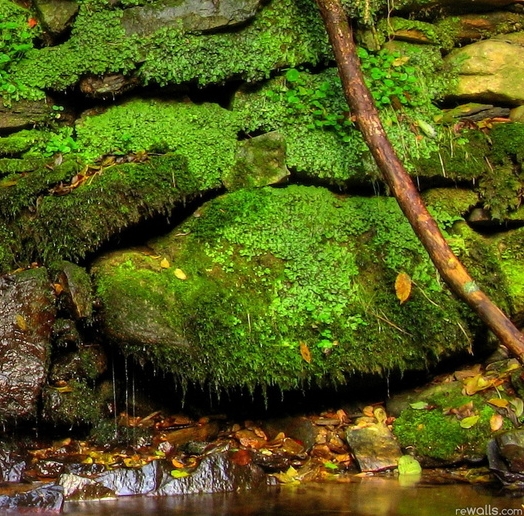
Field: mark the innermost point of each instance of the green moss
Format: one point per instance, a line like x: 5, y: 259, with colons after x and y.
x: 269, y: 269
x: 501, y: 186
x: 16, y: 39
x: 108, y: 203
x: 459, y: 157
x: 97, y: 45
x: 509, y: 247
x: 80, y: 405
x: 437, y: 434
x: 205, y: 135
x: 30, y: 179
x: 20, y: 142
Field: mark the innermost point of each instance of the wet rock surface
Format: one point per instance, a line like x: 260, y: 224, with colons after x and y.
x: 27, y: 314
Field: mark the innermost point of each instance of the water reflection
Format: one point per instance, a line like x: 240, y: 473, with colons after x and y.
x: 366, y: 497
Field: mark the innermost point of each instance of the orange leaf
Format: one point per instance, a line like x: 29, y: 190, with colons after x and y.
x: 31, y: 22
x: 304, y: 352
x: 495, y: 422
x: 403, y: 287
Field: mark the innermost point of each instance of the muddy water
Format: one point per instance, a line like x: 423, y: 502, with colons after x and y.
x: 366, y: 497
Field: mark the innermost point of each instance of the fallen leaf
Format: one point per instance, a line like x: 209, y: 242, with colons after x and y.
x: 476, y: 384
x: 499, y: 402
x: 403, y: 287
x: 180, y: 274
x: 380, y: 415
x: 304, y: 352
x: 518, y: 406
x: 470, y: 421
x: 419, y: 405
x: 21, y: 322
x: 495, y: 422
x: 165, y: 263
x: 289, y: 477
x: 241, y: 457
x: 179, y: 473
x: 368, y: 411
x: 407, y: 465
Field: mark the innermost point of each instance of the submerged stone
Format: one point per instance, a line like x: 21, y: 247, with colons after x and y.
x: 280, y: 286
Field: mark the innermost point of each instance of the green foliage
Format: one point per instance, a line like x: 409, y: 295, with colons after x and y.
x: 60, y: 142
x: 106, y: 204
x: 390, y: 78
x: 16, y: 39
x: 205, y: 135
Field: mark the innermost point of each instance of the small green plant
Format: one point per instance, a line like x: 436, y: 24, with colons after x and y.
x: 390, y: 78
x: 16, y: 38
x: 61, y: 142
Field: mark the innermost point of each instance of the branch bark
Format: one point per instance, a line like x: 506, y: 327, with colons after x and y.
x: 399, y: 181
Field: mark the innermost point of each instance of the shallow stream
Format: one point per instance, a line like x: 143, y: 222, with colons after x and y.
x: 373, y: 496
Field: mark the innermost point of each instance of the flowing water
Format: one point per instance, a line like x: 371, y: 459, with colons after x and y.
x: 372, y: 496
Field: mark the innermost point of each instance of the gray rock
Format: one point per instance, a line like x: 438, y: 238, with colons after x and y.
x: 56, y: 15
x: 25, y: 113
x: 47, y: 497
x: 27, y: 314
x: 190, y: 15
x: 260, y: 161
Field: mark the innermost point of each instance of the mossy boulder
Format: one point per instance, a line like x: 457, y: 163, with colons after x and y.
x: 431, y: 426
x: 284, y: 286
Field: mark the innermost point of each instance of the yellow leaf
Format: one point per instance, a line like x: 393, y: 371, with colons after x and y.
x: 380, y: 415
x: 164, y: 263
x: 304, y: 352
x: 20, y: 322
x: 403, y: 287
x: 499, y: 402
x: 180, y: 274
x: 289, y: 477
x: 470, y: 421
x: 495, y: 422
x: 476, y: 384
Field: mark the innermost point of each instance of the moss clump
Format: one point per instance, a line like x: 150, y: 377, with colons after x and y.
x: 79, y: 404
x: 119, y: 196
x: 20, y: 142
x: 437, y: 434
x: 269, y: 269
x: 509, y: 247
x: 205, y: 135
x: 459, y: 158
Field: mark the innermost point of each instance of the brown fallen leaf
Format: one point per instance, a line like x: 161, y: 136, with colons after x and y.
x: 403, y: 287
x: 304, y: 352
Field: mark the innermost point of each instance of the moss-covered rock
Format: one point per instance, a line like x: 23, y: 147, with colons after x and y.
x: 280, y: 286
x: 284, y: 33
x: 435, y: 429
x: 509, y: 249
